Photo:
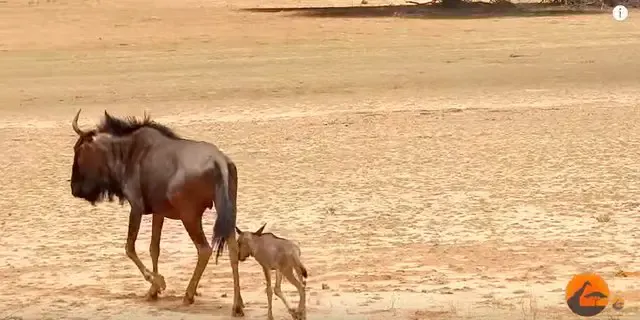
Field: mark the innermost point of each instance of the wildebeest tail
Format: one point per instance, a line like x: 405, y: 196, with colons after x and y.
x: 225, y: 209
x: 301, y: 270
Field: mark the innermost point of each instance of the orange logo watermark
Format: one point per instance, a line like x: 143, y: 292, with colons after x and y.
x: 587, y: 294
x: 618, y: 303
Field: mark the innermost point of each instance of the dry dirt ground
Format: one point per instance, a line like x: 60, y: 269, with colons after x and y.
x: 429, y: 168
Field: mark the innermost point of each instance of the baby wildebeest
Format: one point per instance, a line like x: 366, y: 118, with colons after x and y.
x: 282, y: 255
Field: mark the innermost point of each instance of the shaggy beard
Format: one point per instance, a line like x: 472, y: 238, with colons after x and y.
x: 108, y: 196
x: 105, y: 191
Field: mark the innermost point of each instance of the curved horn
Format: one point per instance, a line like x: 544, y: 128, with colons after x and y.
x: 74, y: 124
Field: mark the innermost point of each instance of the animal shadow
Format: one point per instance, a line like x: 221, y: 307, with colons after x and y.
x: 174, y: 303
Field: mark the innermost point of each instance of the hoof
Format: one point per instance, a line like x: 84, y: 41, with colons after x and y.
x: 297, y: 314
x: 187, y: 301
x: 237, y: 311
x: 158, y: 281
x: 151, y: 296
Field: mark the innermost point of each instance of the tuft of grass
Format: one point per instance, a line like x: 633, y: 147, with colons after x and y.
x: 330, y: 210
x: 603, y: 218
x: 529, y: 307
x: 392, y: 307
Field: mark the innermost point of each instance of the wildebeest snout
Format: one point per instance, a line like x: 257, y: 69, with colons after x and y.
x: 76, y: 190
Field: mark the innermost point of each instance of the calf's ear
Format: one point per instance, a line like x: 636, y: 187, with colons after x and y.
x: 238, y: 231
x: 259, y: 232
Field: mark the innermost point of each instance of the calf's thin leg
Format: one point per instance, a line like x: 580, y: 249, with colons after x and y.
x: 278, y: 292
x: 267, y: 276
x: 192, y: 221
x: 135, y: 218
x: 288, y: 273
x: 154, y: 250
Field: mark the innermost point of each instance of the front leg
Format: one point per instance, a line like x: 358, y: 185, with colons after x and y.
x: 135, y: 218
x: 154, y: 250
x: 267, y: 276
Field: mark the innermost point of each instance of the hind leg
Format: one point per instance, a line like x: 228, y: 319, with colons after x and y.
x: 278, y: 291
x: 302, y: 313
x: 238, y: 304
x: 232, y: 244
x: 193, y: 224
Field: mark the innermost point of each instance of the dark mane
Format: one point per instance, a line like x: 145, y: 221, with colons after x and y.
x: 126, y: 126
x: 271, y: 234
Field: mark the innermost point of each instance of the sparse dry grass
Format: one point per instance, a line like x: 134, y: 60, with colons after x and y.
x: 529, y: 307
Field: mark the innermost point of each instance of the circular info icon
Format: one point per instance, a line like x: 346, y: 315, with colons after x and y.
x: 620, y: 13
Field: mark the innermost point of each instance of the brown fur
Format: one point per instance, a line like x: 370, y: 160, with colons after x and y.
x: 159, y: 173
x: 275, y: 253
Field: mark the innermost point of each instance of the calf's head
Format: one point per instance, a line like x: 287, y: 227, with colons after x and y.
x: 90, y: 176
x: 246, y: 242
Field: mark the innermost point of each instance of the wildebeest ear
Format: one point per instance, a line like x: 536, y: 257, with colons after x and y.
x: 238, y: 230
x: 259, y: 232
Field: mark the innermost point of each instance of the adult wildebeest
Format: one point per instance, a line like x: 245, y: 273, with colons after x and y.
x: 159, y: 173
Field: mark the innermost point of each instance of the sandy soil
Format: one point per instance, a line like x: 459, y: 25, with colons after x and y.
x: 429, y: 168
